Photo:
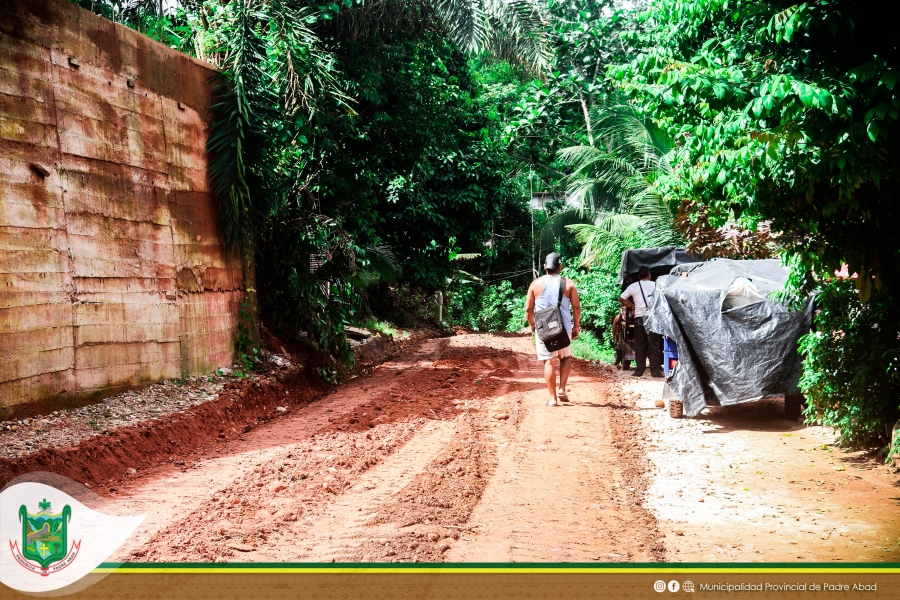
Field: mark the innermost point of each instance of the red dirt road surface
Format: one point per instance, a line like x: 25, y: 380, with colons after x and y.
x: 448, y: 453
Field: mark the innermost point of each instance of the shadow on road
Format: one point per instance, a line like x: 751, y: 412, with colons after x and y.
x: 763, y: 415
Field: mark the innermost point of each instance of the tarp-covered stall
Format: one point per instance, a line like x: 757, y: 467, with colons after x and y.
x: 659, y: 260
x: 735, y: 342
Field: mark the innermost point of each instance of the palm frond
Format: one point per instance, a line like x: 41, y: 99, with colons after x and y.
x: 615, y: 183
x: 512, y: 30
x: 383, y: 263
x: 579, y: 156
x: 467, y: 23
x: 518, y: 33
x: 272, y: 66
x: 304, y: 69
x: 555, y: 226
x: 237, y: 142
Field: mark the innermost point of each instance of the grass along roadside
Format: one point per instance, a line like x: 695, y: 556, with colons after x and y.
x: 589, y: 347
x: 386, y: 329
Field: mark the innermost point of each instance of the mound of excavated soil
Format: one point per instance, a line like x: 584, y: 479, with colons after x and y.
x: 106, y: 458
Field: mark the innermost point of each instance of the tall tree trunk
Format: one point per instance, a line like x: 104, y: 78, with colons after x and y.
x: 587, y: 120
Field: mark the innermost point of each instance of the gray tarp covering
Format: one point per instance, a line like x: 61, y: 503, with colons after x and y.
x: 743, y: 354
x: 658, y: 260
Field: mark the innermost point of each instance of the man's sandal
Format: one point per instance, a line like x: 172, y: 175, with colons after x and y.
x: 563, y: 397
x: 551, y: 403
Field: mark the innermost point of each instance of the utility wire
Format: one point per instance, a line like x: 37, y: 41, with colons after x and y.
x: 508, y: 273
x: 509, y: 277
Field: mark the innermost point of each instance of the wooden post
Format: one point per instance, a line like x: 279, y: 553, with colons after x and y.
x: 439, y: 308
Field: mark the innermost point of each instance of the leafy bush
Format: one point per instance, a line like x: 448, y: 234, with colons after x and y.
x: 496, y: 308
x: 318, y: 303
x: 850, y: 367
x: 599, y: 295
x: 462, y: 306
x: 589, y: 346
x: 415, y: 306
x: 502, y: 308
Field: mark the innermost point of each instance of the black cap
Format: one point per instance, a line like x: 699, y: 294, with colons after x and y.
x: 551, y: 263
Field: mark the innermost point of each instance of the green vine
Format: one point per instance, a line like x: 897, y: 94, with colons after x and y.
x: 247, y: 350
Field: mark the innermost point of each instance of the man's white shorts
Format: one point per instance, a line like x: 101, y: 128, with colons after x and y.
x: 544, y: 354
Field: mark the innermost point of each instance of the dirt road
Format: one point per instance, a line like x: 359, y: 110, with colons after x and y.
x: 447, y: 453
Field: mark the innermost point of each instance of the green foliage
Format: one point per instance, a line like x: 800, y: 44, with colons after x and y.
x: 382, y: 328
x: 513, y: 30
x: 497, y: 307
x: 246, y: 348
x: 257, y: 125
x: 786, y: 112
x: 319, y: 303
x: 557, y: 109
x: 852, y: 364
x: 329, y: 375
x: 614, y: 189
x: 167, y: 22
x: 501, y: 307
x: 425, y: 177
x: 589, y: 346
x: 599, y: 296
x: 463, y: 306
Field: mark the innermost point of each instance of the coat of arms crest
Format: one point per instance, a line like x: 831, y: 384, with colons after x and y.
x: 45, y: 539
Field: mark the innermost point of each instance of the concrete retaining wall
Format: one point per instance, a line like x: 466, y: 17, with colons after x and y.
x: 112, y: 274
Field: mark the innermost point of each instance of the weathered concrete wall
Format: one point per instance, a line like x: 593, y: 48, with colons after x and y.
x: 112, y: 274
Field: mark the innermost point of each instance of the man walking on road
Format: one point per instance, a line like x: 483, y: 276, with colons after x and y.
x: 544, y: 293
x: 635, y: 297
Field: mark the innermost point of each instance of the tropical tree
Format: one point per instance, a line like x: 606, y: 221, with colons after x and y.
x: 611, y: 195
x: 274, y: 75
x: 788, y: 113
x: 559, y: 109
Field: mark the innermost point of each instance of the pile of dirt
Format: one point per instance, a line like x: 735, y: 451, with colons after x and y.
x: 113, y: 455
x: 115, y: 440
x: 63, y: 428
x: 273, y: 507
x: 439, y: 391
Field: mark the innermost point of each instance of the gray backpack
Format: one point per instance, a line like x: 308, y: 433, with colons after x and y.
x: 548, y: 324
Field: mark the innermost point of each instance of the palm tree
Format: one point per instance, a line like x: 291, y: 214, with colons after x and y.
x: 611, y: 201
x: 512, y: 30
x: 271, y: 59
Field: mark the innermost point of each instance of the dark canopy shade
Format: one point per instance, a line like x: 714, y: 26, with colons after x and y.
x: 659, y: 260
x: 746, y: 352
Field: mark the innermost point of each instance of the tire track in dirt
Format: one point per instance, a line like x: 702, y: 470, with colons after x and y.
x: 337, y: 537
x: 420, y: 521
x: 169, y: 493
x: 267, y: 513
x: 569, y: 482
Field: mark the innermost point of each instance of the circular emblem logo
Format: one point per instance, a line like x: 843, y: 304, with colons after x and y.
x: 660, y: 586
